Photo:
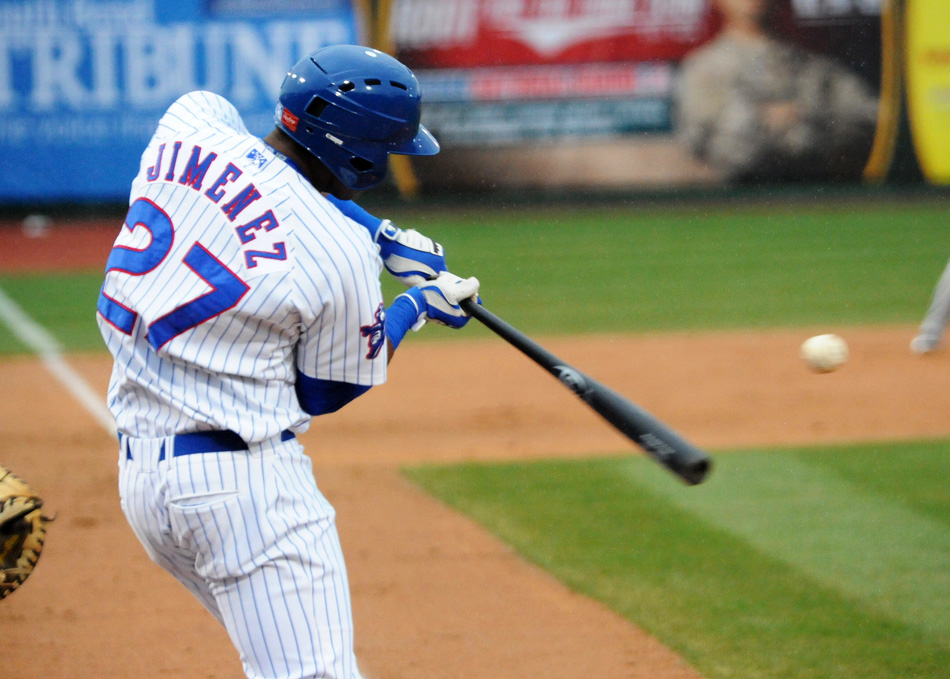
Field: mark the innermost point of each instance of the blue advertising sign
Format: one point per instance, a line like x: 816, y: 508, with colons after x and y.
x: 83, y: 82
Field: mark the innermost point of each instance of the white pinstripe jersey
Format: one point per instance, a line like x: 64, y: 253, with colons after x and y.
x: 230, y: 274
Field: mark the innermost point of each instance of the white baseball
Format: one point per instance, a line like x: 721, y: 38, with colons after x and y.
x: 824, y: 353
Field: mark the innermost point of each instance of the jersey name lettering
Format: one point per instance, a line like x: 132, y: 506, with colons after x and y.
x: 193, y: 175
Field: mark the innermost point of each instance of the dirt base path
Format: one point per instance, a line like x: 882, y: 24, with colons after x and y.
x: 434, y: 595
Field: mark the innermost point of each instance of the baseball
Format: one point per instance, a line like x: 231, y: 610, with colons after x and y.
x: 824, y: 353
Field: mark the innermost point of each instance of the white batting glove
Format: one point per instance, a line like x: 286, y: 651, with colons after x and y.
x: 408, y: 255
x: 438, y: 300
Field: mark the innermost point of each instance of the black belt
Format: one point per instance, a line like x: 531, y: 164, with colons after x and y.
x: 208, y: 442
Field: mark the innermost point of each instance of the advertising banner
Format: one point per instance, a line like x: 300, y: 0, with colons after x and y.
x: 83, y: 82
x: 928, y: 85
x: 643, y: 92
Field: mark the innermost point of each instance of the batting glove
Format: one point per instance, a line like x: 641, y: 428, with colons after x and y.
x: 438, y: 300
x: 408, y: 255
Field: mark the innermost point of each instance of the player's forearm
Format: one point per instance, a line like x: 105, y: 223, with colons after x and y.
x: 401, y: 315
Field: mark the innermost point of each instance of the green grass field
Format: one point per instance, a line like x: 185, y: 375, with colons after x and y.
x: 583, y: 271
x: 817, y: 563
x: 787, y: 564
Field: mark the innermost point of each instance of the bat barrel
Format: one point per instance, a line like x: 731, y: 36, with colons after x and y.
x: 661, y: 443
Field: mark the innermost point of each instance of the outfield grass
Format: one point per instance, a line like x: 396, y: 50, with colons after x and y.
x: 64, y: 304
x: 578, y: 270
x: 606, y: 270
x: 803, y: 563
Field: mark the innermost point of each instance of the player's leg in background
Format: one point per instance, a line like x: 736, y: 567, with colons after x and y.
x: 935, y: 320
x: 267, y: 543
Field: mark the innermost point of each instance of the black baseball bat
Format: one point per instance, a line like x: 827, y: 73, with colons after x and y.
x: 660, y: 442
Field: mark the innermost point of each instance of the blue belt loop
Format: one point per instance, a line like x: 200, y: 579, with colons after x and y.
x: 122, y: 442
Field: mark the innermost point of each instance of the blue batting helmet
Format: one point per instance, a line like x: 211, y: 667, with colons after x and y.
x: 352, y: 106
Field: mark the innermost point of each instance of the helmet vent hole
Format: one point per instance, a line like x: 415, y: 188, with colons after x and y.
x: 317, y: 106
x: 398, y: 84
x: 346, y: 86
x: 361, y: 164
x: 373, y: 81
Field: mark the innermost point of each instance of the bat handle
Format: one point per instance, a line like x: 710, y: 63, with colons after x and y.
x: 512, y: 335
x: 471, y: 307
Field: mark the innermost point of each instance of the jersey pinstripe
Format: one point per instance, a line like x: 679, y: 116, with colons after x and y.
x: 235, y: 275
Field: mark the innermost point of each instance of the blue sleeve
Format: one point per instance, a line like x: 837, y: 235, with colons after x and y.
x: 357, y: 214
x: 322, y: 397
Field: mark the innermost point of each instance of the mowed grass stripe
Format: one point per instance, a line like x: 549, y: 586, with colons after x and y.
x: 914, y: 474
x: 872, y: 547
x: 730, y: 607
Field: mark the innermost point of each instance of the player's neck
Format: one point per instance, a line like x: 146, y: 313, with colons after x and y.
x: 308, y: 165
x: 288, y: 150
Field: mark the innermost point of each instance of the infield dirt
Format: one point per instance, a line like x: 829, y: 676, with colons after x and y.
x: 434, y: 595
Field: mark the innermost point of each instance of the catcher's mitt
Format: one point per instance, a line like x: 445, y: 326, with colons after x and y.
x: 22, y: 531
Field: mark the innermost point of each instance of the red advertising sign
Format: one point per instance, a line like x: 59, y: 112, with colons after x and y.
x: 466, y: 33
x: 743, y: 90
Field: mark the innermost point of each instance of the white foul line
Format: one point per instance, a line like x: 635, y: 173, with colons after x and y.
x: 44, y: 345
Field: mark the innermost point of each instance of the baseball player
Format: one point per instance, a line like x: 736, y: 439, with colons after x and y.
x: 935, y: 320
x: 239, y: 302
